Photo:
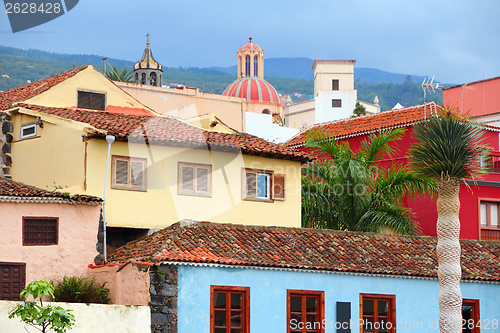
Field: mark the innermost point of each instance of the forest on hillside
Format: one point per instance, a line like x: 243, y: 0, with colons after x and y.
x: 18, y: 66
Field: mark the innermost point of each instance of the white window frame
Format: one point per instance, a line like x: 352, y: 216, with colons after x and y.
x: 194, y: 191
x: 129, y: 185
x: 25, y: 126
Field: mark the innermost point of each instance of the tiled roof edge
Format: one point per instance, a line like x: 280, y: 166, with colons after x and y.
x: 17, y: 199
x: 302, y: 270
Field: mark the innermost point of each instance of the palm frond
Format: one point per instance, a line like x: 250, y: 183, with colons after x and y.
x: 448, y: 146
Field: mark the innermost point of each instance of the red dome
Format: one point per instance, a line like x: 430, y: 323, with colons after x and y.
x: 250, y: 47
x: 253, y: 89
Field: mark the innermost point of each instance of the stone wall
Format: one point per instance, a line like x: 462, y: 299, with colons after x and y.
x: 163, y: 303
x: 6, y: 138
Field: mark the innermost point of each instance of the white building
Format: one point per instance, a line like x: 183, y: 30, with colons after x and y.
x: 334, y: 96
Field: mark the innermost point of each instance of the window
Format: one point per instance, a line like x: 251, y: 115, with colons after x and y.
x: 336, y: 103
x: 247, y: 65
x: 28, y: 130
x: 470, y: 316
x: 335, y: 84
x: 90, y: 100
x: 40, y: 230
x: 263, y: 185
x: 378, y: 313
x: 255, y: 66
x: 305, y: 311
x: 489, y: 220
x: 229, y: 309
x: 194, y: 179
x: 12, y: 280
x: 128, y: 173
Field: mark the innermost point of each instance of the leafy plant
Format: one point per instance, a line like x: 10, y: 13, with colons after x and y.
x: 348, y: 190
x: 76, y: 289
x: 44, y: 318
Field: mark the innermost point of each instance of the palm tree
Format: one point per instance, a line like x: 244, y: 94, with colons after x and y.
x: 115, y: 74
x: 347, y: 190
x: 448, y: 148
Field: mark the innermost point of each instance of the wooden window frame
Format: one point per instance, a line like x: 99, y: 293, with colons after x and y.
x: 488, y: 203
x: 336, y: 103
x: 90, y: 93
x: 273, y: 183
x: 129, y: 186
x: 26, y: 219
x: 490, y: 233
x: 335, y: 84
x: 474, y: 303
x: 305, y: 293
x: 378, y: 297
x: 194, y: 191
x: 245, y: 306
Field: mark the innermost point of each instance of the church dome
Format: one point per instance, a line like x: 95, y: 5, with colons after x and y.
x: 253, y: 89
x: 148, y: 61
x: 250, y: 47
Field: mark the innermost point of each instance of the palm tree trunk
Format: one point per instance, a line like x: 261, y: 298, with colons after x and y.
x: 448, y: 252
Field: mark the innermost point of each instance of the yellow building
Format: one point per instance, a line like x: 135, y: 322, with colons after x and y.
x: 161, y: 169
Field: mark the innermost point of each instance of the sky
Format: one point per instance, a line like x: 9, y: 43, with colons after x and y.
x: 457, y: 41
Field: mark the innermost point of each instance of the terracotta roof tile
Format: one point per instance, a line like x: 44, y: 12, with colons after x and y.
x: 298, y: 248
x: 165, y: 130
x: 12, y: 191
x: 30, y: 90
x: 366, y: 124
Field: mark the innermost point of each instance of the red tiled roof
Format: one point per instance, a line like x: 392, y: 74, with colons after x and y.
x: 309, y: 249
x: 11, y: 191
x: 165, y: 130
x: 367, y: 124
x: 30, y: 90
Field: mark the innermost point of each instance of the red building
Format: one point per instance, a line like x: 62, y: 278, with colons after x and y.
x: 481, y: 99
x: 479, y: 211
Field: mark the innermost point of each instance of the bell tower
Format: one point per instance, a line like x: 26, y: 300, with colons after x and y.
x: 250, y: 60
x: 148, y: 71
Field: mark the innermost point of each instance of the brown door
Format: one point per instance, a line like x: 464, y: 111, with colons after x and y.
x: 12, y: 280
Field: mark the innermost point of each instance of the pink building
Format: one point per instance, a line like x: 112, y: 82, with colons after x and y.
x: 45, y: 235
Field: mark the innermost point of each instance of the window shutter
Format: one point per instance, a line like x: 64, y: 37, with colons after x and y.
x: 97, y: 101
x: 187, y: 178
x: 202, y: 179
x: 83, y: 100
x: 251, y: 184
x: 343, y: 317
x: 279, y: 187
x: 121, y: 172
x: 137, y: 173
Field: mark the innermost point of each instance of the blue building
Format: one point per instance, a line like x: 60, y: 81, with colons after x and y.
x: 210, y: 277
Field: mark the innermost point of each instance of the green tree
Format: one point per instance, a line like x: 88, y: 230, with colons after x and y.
x: 45, y: 318
x: 359, y: 110
x: 448, y: 148
x: 348, y: 190
x: 115, y: 75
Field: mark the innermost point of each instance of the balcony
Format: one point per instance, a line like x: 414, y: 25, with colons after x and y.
x: 490, y: 234
x: 493, y: 162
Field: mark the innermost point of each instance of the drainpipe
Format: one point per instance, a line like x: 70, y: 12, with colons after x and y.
x: 110, y: 139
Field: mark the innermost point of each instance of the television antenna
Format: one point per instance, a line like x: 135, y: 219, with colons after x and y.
x: 429, y: 87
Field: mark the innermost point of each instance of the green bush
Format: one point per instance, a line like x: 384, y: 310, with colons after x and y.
x: 76, y: 289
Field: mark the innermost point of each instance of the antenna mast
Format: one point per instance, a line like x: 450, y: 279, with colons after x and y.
x: 428, y: 86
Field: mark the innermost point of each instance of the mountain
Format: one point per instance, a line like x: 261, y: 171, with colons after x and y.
x: 287, y: 75
x: 301, y: 68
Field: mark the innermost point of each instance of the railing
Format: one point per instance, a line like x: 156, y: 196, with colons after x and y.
x: 489, y: 234
x: 494, y: 162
